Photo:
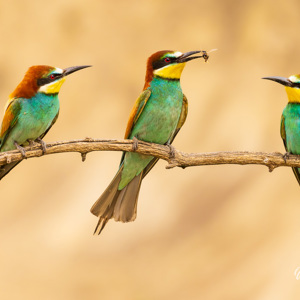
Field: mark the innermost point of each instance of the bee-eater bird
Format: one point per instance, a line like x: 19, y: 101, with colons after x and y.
x: 32, y: 109
x: 157, y: 116
x: 290, y: 119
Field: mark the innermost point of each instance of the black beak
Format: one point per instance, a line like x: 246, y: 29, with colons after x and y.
x: 282, y: 80
x: 187, y: 56
x: 70, y: 70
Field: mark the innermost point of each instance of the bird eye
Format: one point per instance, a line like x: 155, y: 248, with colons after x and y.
x: 52, y: 76
x: 167, y: 59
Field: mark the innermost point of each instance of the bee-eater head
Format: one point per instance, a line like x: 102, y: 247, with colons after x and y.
x: 167, y: 64
x: 42, y: 79
x: 292, y: 86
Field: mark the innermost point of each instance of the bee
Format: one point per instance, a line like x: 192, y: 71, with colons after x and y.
x: 205, y: 54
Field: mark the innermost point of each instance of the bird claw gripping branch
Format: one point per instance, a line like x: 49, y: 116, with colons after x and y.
x: 32, y: 109
x: 157, y: 116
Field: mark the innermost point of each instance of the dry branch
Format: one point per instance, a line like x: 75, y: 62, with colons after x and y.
x: 180, y: 159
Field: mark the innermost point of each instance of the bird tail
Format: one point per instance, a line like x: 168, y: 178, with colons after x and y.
x: 118, y: 204
x: 4, y: 170
x: 297, y: 174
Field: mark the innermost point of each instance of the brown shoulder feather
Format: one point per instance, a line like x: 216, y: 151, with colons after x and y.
x: 7, y: 119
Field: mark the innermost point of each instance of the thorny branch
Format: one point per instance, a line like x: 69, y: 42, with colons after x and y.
x: 177, y: 159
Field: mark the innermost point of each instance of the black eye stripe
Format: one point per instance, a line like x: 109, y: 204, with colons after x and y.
x: 46, y: 80
x: 161, y: 63
x: 295, y: 84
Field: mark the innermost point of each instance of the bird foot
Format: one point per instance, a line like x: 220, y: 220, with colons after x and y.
x: 21, y: 149
x: 135, y: 144
x: 286, y: 156
x: 31, y: 143
x: 172, y: 150
x: 43, y: 144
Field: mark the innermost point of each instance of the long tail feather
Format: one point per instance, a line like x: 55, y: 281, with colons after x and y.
x: 126, y: 204
x: 118, y: 204
x: 4, y: 170
x: 297, y: 174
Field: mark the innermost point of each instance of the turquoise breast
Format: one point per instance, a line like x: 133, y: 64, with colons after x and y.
x: 161, y: 113
x: 34, y: 118
x: 291, y: 115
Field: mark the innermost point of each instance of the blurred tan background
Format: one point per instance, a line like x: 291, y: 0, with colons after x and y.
x: 213, y: 233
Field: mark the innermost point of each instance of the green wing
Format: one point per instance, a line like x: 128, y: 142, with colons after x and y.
x: 136, y: 111
x: 283, y: 136
x: 182, y: 118
x: 282, y: 132
x: 135, y: 114
x: 53, y: 121
x: 10, y: 119
x: 181, y: 121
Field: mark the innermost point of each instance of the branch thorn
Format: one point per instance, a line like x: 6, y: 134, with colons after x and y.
x: 83, y: 156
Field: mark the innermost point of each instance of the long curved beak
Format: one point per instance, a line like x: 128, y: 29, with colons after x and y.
x: 187, y: 56
x: 282, y: 80
x: 70, y: 70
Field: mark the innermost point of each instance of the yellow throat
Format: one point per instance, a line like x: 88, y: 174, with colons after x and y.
x: 53, y: 87
x: 293, y: 94
x: 170, y: 71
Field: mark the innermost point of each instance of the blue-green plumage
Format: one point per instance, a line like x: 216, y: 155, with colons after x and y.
x: 290, y: 131
x: 290, y: 119
x: 34, y: 117
x: 32, y: 109
x: 157, y: 116
x: 156, y: 124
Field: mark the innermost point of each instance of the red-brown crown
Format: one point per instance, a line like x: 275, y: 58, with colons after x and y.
x: 149, y: 73
x: 28, y: 87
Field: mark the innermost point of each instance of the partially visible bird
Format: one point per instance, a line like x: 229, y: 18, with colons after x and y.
x: 290, y: 119
x: 32, y: 109
x: 157, y: 116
